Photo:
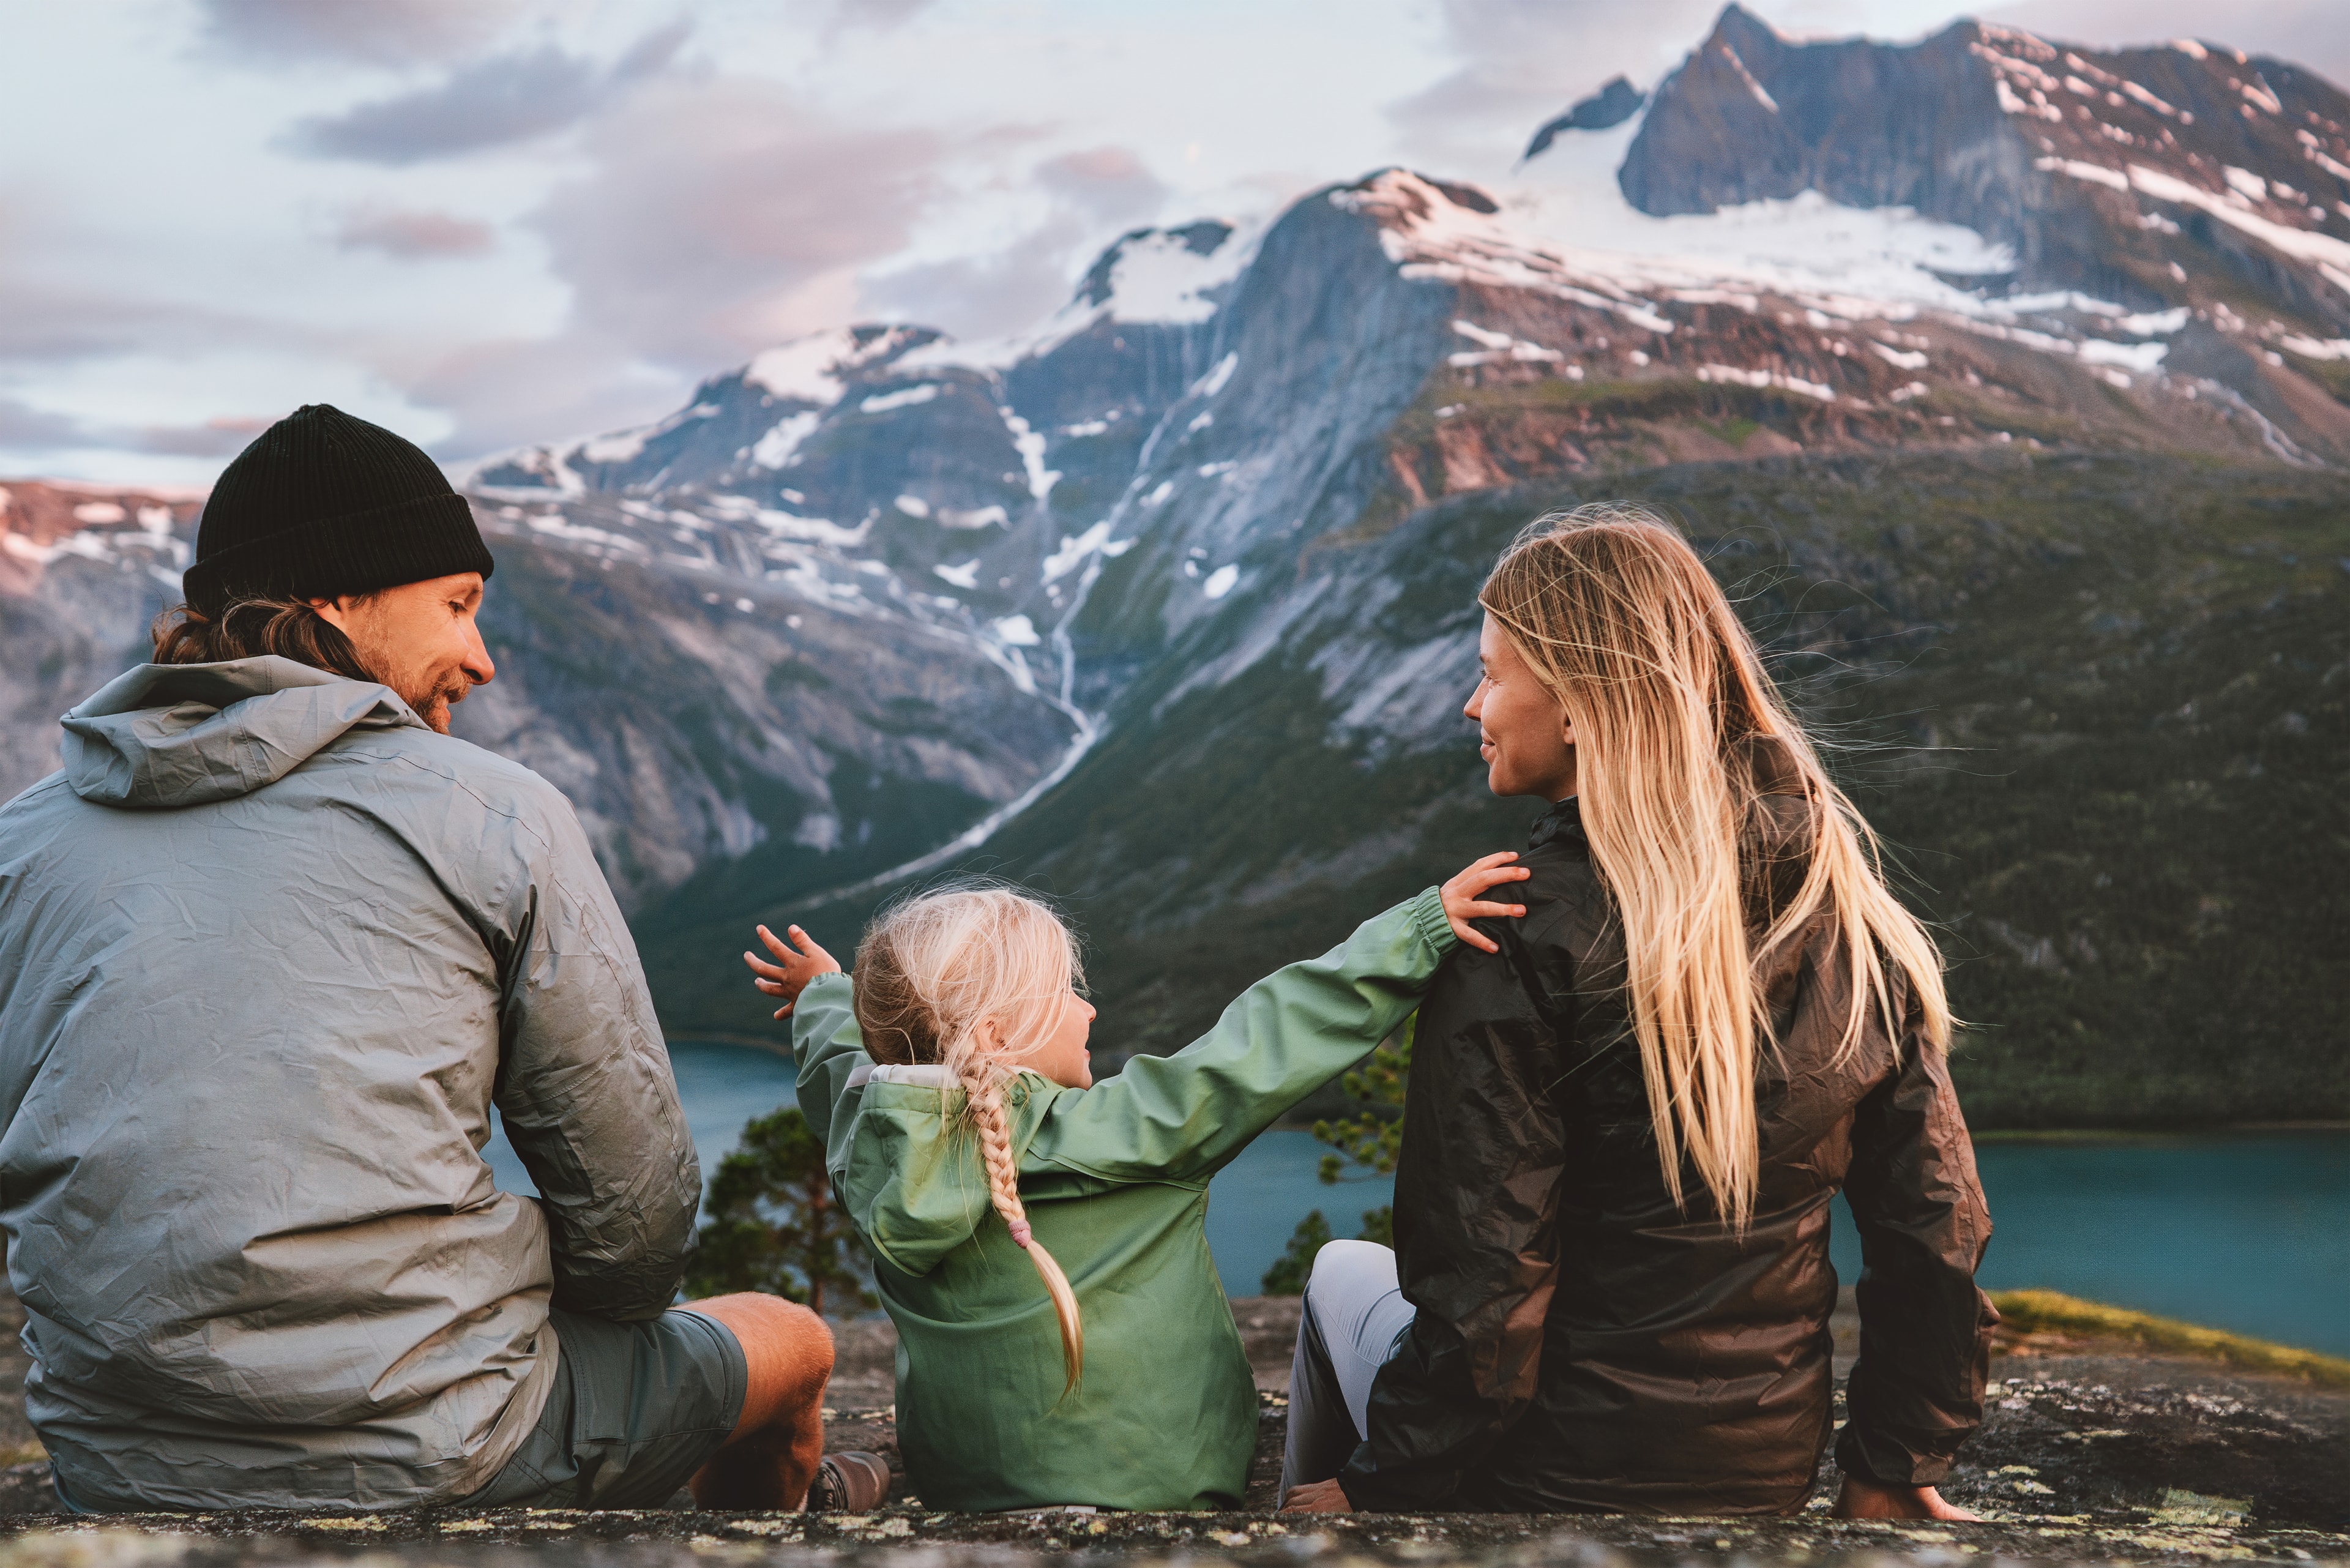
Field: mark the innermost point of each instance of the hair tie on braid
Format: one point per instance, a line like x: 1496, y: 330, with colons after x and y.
x: 1019, y: 1229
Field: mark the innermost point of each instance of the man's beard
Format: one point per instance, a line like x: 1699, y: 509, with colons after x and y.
x: 431, y: 704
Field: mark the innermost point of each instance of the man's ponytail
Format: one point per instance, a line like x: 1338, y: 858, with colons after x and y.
x: 985, y: 1098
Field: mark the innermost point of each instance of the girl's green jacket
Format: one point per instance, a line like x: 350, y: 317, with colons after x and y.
x: 1115, y: 1179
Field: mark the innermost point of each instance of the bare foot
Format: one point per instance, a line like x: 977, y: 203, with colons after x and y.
x: 1866, y: 1499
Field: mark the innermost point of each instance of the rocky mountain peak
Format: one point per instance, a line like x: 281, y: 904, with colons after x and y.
x: 1404, y: 198
x: 2020, y: 139
x: 1616, y: 102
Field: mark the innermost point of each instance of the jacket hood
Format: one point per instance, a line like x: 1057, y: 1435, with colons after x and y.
x: 914, y: 1182
x: 165, y: 735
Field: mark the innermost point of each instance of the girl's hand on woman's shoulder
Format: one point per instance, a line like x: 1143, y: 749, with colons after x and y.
x: 1464, y: 898
x: 798, y: 964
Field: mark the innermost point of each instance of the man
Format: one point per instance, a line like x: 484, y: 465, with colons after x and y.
x: 272, y: 944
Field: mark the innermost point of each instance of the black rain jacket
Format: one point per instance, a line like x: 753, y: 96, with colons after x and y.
x: 1583, y: 1346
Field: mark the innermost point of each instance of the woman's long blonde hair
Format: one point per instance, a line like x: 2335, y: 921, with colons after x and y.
x: 1617, y: 617
x: 973, y: 978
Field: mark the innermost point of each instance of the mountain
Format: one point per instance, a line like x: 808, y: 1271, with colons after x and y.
x: 2107, y: 171
x: 2017, y: 437
x: 84, y: 569
x: 808, y: 627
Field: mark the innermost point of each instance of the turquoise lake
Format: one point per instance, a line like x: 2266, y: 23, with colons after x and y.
x: 2243, y: 1231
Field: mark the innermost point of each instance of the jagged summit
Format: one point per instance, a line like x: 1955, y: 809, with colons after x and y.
x: 1611, y: 106
x: 2001, y: 130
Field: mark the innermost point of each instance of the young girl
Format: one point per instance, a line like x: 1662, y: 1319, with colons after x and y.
x: 1040, y: 1240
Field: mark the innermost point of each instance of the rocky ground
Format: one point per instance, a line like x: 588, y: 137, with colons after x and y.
x: 2092, y: 1453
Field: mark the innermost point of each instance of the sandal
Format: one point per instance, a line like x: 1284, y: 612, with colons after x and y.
x: 849, y: 1482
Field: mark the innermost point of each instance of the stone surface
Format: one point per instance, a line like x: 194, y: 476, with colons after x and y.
x: 2091, y: 1454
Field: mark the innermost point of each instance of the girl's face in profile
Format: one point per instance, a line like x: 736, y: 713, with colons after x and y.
x: 1522, y: 731
x: 1062, y: 1056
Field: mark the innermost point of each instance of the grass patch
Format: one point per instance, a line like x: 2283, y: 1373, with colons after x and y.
x: 2018, y: 419
x: 2036, y: 1312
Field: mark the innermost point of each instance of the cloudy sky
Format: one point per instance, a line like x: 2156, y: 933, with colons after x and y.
x: 488, y: 221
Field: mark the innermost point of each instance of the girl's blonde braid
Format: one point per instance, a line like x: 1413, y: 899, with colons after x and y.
x: 984, y: 1095
x: 933, y: 973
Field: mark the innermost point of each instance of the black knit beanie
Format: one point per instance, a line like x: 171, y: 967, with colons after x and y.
x: 322, y: 504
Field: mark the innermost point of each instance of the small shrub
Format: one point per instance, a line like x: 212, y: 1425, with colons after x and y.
x: 1373, y: 1138
x: 1288, y: 1275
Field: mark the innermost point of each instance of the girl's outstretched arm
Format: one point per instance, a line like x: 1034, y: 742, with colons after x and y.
x: 1182, y: 1118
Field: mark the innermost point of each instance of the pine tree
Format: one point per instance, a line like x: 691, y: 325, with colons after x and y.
x: 1373, y: 1138
x: 774, y: 1226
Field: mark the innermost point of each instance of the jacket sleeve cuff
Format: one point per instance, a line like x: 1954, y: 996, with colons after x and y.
x: 1429, y: 921
x: 832, y: 990
x: 833, y: 986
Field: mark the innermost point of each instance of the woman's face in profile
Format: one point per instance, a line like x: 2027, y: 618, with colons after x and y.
x: 1522, y: 730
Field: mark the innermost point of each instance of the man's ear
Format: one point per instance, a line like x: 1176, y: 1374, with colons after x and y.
x: 333, y: 613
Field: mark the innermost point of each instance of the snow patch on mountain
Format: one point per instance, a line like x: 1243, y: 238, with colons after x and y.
x: 775, y: 449
x: 1162, y: 278
x: 2329, y: 256
x: 1568, y: 200
x: 1165, y: 275
x: 1075, y: 550
x: 1564, y: 229
x: 805, y: 369
x: 1030, y: 445
x: 622, y: 446
x: 975, y: 517
x: 883, y: 402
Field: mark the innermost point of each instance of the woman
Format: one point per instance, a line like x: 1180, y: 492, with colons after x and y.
x: 1610, y: 1290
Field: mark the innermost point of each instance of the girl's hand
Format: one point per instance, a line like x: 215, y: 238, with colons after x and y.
x: 799, y: 965
x: 1463, y: 896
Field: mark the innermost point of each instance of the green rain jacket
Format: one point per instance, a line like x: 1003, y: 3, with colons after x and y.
x: 1115, y: 1180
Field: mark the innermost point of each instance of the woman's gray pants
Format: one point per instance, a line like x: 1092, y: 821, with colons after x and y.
x: 1352, y: 1319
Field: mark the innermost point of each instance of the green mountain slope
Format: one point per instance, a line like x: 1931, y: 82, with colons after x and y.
x: 2097, y: 703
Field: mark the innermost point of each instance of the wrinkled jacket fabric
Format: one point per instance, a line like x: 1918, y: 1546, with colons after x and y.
x: 270, y: 948
x: 1115, y: 1181
x: 1581, y: 1345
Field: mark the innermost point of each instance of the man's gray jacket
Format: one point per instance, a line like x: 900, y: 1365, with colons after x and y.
x: 270, y: 948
